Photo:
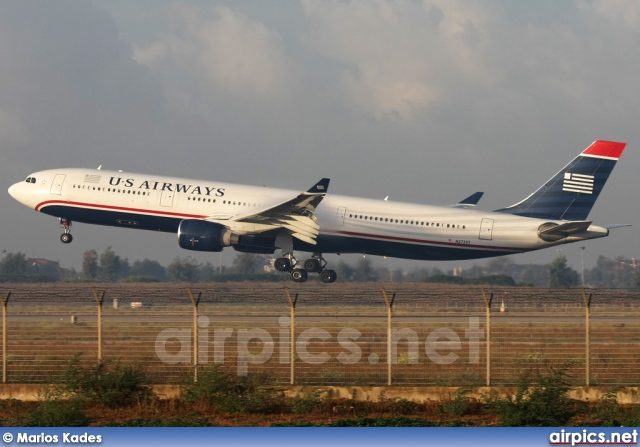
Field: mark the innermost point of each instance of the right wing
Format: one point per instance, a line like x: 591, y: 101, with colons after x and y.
x: 295, y: 215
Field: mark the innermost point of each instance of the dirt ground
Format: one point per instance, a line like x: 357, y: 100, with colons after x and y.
x: 176, y: 413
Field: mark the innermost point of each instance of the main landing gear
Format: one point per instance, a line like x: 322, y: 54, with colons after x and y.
x: 66, y: 237
x: 315, y: 264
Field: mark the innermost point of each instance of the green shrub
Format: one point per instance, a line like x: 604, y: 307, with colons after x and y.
x: 400, y: 406
x: 113, y: 385
x: 56, y: 410
x: 459, y: 405
x: 543, y: 405
x: 606, y: 411
x: 226, y: 393
x: 211, y: 385
x: 307, y: 403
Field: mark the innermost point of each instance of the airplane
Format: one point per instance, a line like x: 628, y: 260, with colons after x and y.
x: 209, y: 216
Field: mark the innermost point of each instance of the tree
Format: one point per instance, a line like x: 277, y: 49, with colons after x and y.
x: 110, y: 265
x: 618, y: 272
x: 249, y: 263
x: 344, y: 271
x: 561, y: 275
x: 149, y: 269
x: 397, y: 275
x: 502, y: 265
x: 623, y: 272
x: 125, y: 268
x: 420, y: 274
x: 210, y: 272
x: 364, y: 270
x: 13, y: 264
x: 90, y: 264
x: 184, y: 269
x: 636, y: 278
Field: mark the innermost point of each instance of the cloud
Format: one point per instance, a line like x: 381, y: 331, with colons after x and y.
x: 400, y: 58
x: 624, y: 12
x: 69, y: 88
x: 230, y: 53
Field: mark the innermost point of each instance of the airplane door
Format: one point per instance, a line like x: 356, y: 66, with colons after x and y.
x: 166, y: 198
x: 56, y: 185
x: 340, y: 215
x: 486, y: 229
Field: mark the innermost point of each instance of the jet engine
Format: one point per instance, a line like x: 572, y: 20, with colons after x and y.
x: 200, y: 235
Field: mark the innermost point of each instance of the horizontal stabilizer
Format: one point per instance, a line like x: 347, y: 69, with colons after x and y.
x: 552, y: 232
x: 612, y: 226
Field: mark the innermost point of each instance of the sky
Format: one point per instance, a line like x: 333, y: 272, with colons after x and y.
x: 422, y: 101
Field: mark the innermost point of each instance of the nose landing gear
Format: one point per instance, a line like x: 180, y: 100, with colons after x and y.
x: 66, y: 237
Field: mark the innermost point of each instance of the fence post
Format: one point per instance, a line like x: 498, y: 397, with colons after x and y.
x: 4, y: 336
x: 389, y: 341
x: 587, y: 306
x: 99, y: 301
x: 195, y: 302
x: 292, y: 359
x: 487, y: 303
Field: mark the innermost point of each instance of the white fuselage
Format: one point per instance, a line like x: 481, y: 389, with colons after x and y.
x: 347, y: 224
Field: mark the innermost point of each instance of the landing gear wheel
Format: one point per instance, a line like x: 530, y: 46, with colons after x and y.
x: 299, y: 275
x: 66, y: 237
x: 282, y: 264
x: 328, y: 276
x: 312, y: 265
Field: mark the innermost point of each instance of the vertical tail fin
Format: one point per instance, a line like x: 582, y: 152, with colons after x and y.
x: 571, y: 193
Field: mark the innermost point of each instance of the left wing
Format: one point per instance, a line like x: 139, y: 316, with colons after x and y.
x: 295, y: 215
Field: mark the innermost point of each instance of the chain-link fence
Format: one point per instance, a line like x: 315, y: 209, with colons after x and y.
x: 411, y: 334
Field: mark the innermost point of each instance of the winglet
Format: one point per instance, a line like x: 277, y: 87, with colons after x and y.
x: 473, y: 199
x: 320, y: 188
x: 470, y: 201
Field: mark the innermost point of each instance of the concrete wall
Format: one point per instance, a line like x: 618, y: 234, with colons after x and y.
x: 629, y: 395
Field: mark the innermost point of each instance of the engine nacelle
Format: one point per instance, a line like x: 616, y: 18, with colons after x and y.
x: 200, y: 235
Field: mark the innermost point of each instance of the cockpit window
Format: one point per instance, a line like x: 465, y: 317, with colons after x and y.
x: 30, y: 180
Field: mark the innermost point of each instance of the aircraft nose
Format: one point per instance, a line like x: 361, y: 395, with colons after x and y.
x: 13, y: 190
x: 17, y: 192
